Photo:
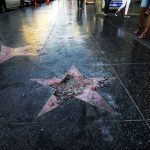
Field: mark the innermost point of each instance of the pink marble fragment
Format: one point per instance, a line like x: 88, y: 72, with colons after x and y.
x: 4, y: 58
x: 93, y: 98
x: 48, y: 82
x: 95, y: 81
x: 5, y: 49
x: 5, y: 53
x: 75, y: 73
x: 93, y: 87
x: 52, y: 103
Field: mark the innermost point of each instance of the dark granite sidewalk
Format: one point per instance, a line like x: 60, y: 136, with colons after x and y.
x: 61, y: 36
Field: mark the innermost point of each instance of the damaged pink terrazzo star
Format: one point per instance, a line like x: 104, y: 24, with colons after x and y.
x: 73, y: 85
x: 8, y: 52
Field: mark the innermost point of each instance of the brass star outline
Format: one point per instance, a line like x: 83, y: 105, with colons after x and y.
x: 73, y: 85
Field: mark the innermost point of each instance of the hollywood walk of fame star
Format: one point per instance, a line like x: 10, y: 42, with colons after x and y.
x: 73, y: 85
x: 8, y: 52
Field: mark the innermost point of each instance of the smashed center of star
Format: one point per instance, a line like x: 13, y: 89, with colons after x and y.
x: 73, y: 85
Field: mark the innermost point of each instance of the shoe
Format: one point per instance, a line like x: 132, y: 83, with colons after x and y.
x: 116, y: 14
x: 105, y: 15
x: 126, y: 16
x: 138, y: 31
x: 142, y: 36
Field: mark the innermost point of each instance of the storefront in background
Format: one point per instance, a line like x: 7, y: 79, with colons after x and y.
x: 115, y: 4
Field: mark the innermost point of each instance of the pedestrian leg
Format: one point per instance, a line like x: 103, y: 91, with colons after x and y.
x: 147, y: 28
x: 121, y: 7
x: 127, y: 6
